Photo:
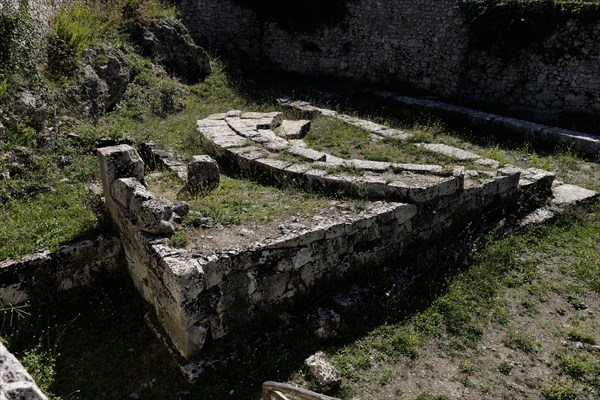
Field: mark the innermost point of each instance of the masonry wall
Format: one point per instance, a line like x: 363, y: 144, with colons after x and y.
x: 420, y: 44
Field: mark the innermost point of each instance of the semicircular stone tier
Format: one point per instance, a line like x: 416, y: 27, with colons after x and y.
x: 247, y: 144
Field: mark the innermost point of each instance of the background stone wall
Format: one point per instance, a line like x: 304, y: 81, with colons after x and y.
x: 422, y: 45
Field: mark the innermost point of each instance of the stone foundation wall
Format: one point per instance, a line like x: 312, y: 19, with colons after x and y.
x: 419, y: 44
x: 197, y: 297
x: 69, y: 267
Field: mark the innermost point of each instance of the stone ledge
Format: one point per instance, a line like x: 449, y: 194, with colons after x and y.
x: 584, y: 143
x: 71, y: 266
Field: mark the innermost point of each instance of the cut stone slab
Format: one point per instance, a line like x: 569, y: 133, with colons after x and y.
x: 538, y: 216
x: 307, y: 153
x: 565, y: 196
x: 203, y: 174
x: 294, y: 129
x: 260, y: 120
x: 419, y: 168
x: 450, y: 151
x: 15, y: 382
x: 571, y: 195
x: 324, y: 373
x: 375, y: 166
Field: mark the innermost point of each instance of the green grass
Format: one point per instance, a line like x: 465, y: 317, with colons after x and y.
x: 346, y: 141
x: 47, y: 221
x: 79, y: 26
x: 238, y: 201
x: 100, y: 345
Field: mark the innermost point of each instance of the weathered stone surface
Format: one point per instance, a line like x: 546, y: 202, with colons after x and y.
x: 155, y: 156
x: 120, y: 161
x: 71, y: 266
x: 325, y: 322
x: 323, y: 372
x: 15, y: 382
x: 449, y: 151
x: 307, y: 153
x: 294, y: 129
x: 375, y: 166
x: 155, y: 217
x: 203, y: 174
x: 170, y: 43
x: 570, y: 195
x: 30, y: 106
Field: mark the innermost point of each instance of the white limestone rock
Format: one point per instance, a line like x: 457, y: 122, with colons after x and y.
x: 294, y: 129
x: 327, y: 377
x: 203, y: 174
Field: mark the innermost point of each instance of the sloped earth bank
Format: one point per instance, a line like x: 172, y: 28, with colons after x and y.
x: 535, y: 334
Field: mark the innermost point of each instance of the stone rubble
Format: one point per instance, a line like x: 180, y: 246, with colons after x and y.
x: 326, y: 376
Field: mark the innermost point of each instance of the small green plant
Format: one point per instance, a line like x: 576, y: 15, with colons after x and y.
x: 179, y: 239
x: 575, y: 335
x: 573, y: 365
x: 541, y: 163
x: 561, y: 390
x: 517, y: 340
x: 429, y: 396
x: 148, y: 10
x: 505, y: 367
x: 495, y: 154
x: 75, y: 28
x: 467, y: 367
x: 576, y: 303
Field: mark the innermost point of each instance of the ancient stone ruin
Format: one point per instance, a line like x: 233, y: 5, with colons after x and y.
x: 227, y: 282
x: 219, y: 283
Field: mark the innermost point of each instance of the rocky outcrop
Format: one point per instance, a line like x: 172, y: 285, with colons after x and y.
x: 104, y: 78
x: 169, y: 42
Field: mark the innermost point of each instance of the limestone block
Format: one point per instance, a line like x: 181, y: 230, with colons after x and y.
x: 569, y: 195
x: 273, y: 286
x: 397, y: 190
x: 154, y: 217
x: 307, y: 153
x: 120, y: 161
x: 323, y: 372
x: 376, y: 187
x: 375, y: 166
x: 294, y: 129
x: 449, y: 151
x: 203, y: 174
x: 449, y: 185
x: 15, y: 382
x: 122, y: 190
x: 183, y: 278
x: 269, y: 120
x: 137, y: 194
x: 240, y: 128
